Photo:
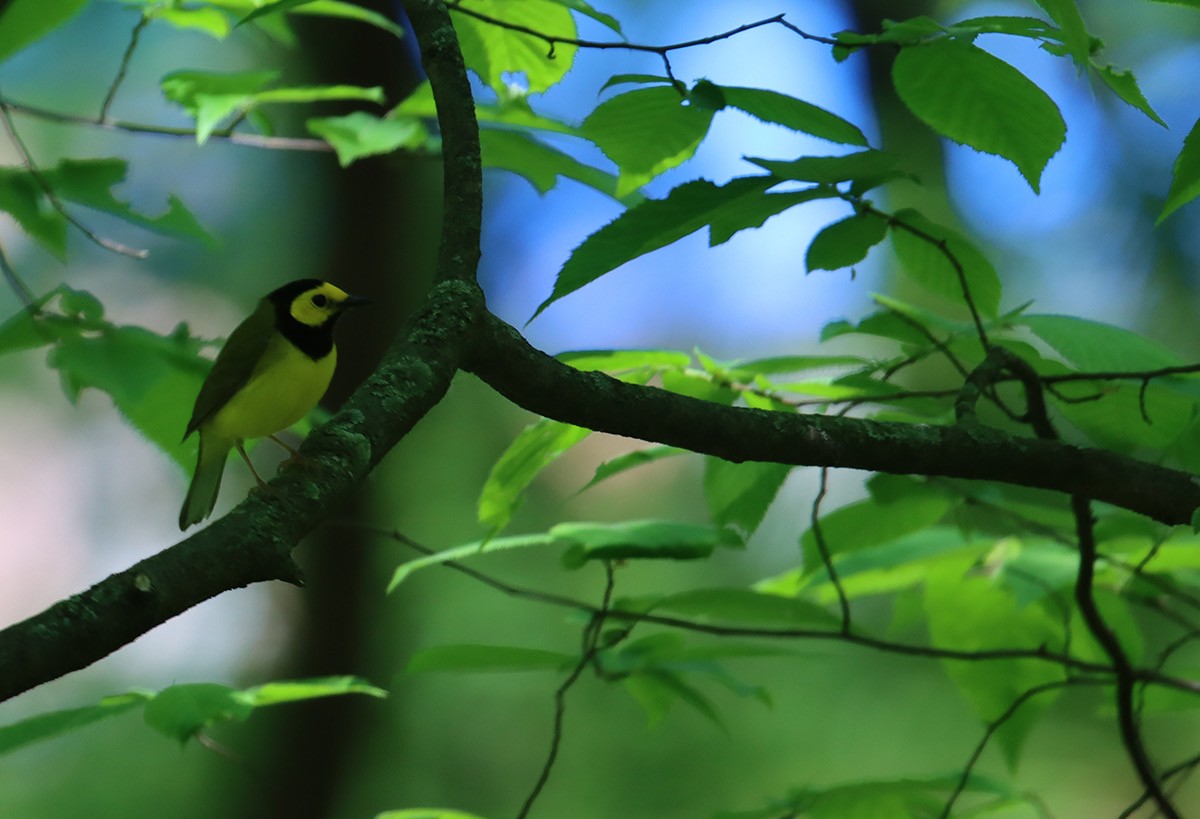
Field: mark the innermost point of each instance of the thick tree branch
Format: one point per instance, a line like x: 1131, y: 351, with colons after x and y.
x: 541, y: 384
x: 254, y: 542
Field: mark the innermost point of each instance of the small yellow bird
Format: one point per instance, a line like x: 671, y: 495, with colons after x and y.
x: 271, y: 372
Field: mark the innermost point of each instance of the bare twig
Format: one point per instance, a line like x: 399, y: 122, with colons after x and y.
x: 52, y: 197
x: 823, y: 549
x: 15, y: 283
x: 997, y: 723
x: 143, y: 20
x: 591, y: 639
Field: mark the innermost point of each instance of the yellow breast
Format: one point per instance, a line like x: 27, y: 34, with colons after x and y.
x: 285, y: 385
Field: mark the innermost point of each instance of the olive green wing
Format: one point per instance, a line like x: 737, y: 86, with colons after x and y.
x: 234, y: 364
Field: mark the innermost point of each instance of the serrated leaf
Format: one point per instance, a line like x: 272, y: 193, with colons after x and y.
x: 656, y: 690
x: 653, y: 224
x: 613, y: 361
x: 630, y: 460
x: 829, y: 170
x: 966, y: 94
x: 538, y: 446
x: 426, y: 813
x: 638, y: 540
x: 733, y: 605
x: 872, y: 522
x: 476, y: 658
x: 923, y: 259
x: 493, y: 51
x: 205, y: 19
x: 972, y: 613
x: 1185, y: 180
x: 151, y: 379
x: 467, y: 550
x: 845, y: 243
x: 285, y: 691
x: 360, y: 134
x: 24, y: 22
x: 542, y: 164
x: 739, y: 494
x: 1124, y: 85
x: 645, y: 132
x: 181, y: 711
x: 586, y: 10
x: 781, y: 109
x: 1078, y: 42
x: 209, y: 97
x: 350, y: 11
x: 1096, y: 346
x: 46, y: 726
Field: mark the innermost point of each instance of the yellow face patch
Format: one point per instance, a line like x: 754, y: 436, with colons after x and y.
x: 315, y: 307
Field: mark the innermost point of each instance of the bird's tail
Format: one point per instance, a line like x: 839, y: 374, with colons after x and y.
x: 206, y: 483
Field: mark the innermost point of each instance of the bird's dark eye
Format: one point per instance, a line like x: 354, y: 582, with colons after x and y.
x: 320, y: 300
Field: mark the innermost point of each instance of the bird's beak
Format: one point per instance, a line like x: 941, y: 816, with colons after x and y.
x: 354, y: 301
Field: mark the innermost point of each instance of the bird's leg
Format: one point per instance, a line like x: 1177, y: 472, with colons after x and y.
x: 242, y: 451
x: 295, y: 459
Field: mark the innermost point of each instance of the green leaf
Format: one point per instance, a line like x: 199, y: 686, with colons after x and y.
x: 638, y: 540
x: 209, y: 97
x: 657, y: 223
x: 512, y: 112
x: 656, y: 690
x: 151, y: 379
x: 1124, y: 85
x: 24, y: 22
x: 829, y: 170
x: 541, y: 164
x: 467, y: 550
x: 361, y: 134
x: 350, y: 11
x: 1078, y: 42
x: 183, y: 710
x: 608, y: 469
x: 473, y: 658
x: 972, y: 613
x: 739, y: 494
x: 924, y: 261
x: 613, y: 361
x: 1185, y: 182
x: 635, y: 79
x: 276, y: 7
x: 1094, y: 346
x: 781, y: 109
x: 871, y: 522
x: 845, y: 243
x: 645, y: 132
x: 586, y: 9
x: 204, y: 19
x: 426, y: 813
x: 286, y: 691
x: 492, y: 51
x: 966, y: 94
x: 46, y: 726
x: 734, y: 605
x: 538, y: 446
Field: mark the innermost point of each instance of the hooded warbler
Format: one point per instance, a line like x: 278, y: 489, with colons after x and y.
x: 272, y: 371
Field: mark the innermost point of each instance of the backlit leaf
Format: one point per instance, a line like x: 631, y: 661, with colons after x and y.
x: 966, y: 94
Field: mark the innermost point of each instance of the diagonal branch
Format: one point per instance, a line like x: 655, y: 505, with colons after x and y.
x: 253, y: 543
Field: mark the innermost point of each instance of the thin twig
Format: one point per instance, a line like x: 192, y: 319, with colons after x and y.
x: 250, y: 140
x: 995, y: 725
x: 126, y: 58
x: 823, y: 549
x: 52, y: 197
x: 14, y: 281
x: 591, y: 639
x: 1186, y: 765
